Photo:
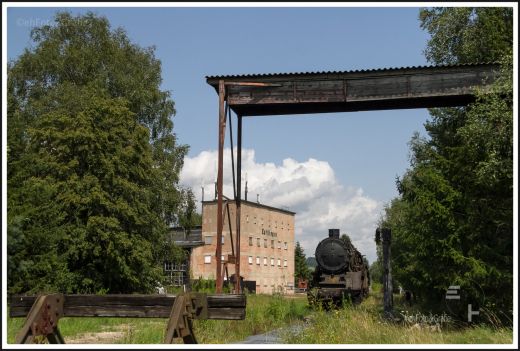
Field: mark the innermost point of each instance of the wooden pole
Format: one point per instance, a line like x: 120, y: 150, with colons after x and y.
x: 221, y: 135
x: 387, y: 273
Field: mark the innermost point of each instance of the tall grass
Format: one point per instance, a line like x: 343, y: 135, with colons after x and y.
x: 364, y: 324
x: 263, y: 313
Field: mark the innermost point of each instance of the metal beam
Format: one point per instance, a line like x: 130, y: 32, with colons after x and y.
x: 238, y: 202
x: 301, y: 93
x: 221, y: 136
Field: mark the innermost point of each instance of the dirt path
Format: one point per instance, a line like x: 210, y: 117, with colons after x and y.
x: 104, y: 337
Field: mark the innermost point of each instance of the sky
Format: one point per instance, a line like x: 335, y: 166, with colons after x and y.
x: 335, y: 170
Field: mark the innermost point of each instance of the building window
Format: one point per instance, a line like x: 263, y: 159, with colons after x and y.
x: 208, y: 240
x: 257, y: 259
x: 279, y: 244
x: 247, y: 218
x: 279, y: 263
x: 258, y: 242
x: 223, y: 258
x: 222, y: 239
x: 250, y: 259
x: 285, y: 263
x: 250, y: 241
x: 265, y: 261
x: 285, y: 245
x: 272, y: 244
x: 275, y: 224
x: 207, y: 259
x: 272, y: 261
x: 265, y: 242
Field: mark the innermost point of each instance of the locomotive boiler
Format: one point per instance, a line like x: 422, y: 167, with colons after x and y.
x: 341, y: 273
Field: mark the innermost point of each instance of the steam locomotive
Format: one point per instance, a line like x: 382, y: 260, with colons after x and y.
x: 341, y: 273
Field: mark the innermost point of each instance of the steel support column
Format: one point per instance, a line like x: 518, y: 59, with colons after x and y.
x: 238, y: 289
x: 221, y: 135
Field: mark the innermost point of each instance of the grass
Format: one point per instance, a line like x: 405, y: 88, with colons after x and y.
x: 359, y: 324
x: 263, y: 313
x: 363, y: 324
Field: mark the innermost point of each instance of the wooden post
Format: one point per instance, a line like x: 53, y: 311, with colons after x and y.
x: 221, y: 135
x: 387, y: 272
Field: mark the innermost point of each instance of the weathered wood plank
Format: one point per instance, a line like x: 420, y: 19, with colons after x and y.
x: 227, y: 313
x: 216, y: 301
x: 149, y: 306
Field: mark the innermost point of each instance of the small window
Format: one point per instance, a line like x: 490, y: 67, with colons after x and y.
x: 250, y: 241
x: 222, y: 239
x: 258, y: 242
x: 265, y: 242
x: 223, y: 258
x: 272, y: 261
x: 257, y: 259
x: 272, y: 244
x: 247, y: 218
x: 279, y: 263
x: 207, y: 259
x: 265, y: 261
x: 250, y: 259
x: 285, y: 263
x: 279, y: 244
x: 285, y: 245
x: 208, y: 240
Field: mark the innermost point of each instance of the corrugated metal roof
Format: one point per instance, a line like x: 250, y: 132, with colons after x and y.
x: 343, y: 72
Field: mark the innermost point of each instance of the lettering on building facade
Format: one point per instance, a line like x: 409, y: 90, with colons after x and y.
x: 268, y: 232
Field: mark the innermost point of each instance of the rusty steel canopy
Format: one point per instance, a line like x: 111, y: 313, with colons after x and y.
x: 321, y: 92
x: 359, y: 90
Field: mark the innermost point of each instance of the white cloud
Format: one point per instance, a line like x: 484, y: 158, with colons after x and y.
x: 308, y: 188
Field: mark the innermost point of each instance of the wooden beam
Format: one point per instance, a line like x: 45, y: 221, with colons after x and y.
x: 146, y: 306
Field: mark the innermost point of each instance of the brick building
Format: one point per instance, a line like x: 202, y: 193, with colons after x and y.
x: 266, y: 246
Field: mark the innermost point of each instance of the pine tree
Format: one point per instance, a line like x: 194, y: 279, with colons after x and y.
x: 301, y: 271
x: 453, y: 221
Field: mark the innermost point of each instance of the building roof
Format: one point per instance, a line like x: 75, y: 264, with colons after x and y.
x: 255, y: 204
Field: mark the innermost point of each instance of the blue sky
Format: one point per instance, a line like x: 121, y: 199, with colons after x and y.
x: 364, y: 150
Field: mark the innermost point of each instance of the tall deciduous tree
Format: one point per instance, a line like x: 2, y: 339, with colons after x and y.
x: 453, y: 221
x: 93, y: 163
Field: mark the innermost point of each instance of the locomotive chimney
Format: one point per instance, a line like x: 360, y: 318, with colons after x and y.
x: 334, y: 233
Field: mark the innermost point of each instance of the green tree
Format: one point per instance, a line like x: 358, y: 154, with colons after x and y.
x: 301, y: 270
x: 453, y: 221
x: 189, y: 218
x: 93, y: 163
x: 346, y: 240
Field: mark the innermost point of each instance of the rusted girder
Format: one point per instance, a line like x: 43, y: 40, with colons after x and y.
x: 221, y: 136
